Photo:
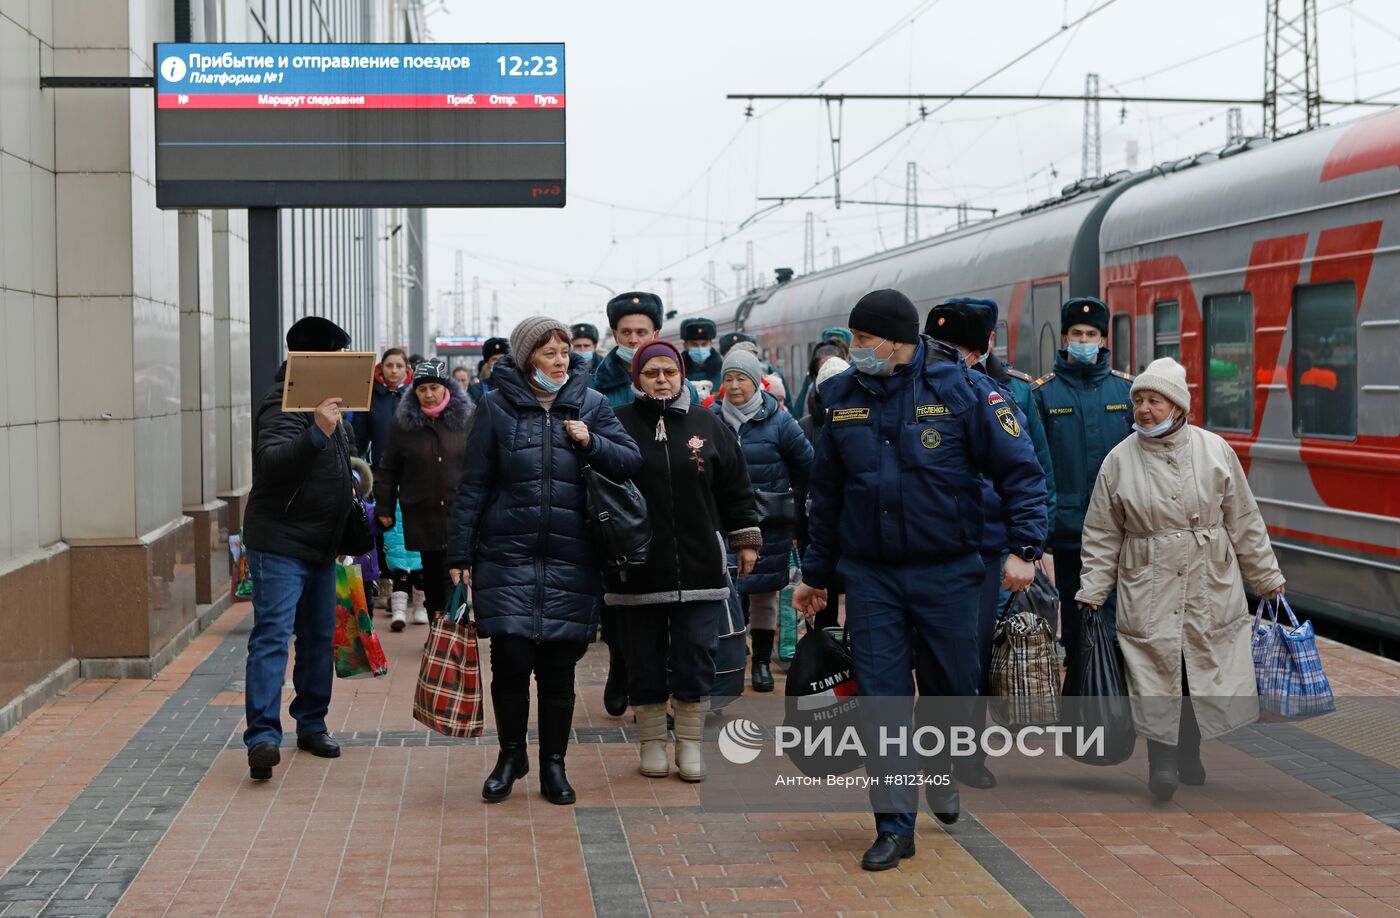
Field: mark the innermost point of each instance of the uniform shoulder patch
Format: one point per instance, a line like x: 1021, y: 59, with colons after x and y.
x: 1017, y: 374
x: 1043, y: 380
x: 1121, y: 375
x: 1007, y: 418
x: 994, y: 398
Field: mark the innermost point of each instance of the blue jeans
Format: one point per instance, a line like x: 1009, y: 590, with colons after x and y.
x: 910, y: 623
x: 289, y: 597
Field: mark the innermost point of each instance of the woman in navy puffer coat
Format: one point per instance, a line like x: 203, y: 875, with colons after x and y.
x: 518, y: 534
x: 779, y: 457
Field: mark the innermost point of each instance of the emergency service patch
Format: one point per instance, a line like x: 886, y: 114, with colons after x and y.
x: 994, y: 398
x: 930, y: 438
x: 931, y: 411
x: 1008, y: 421
x: 850, y: 414
x: 1119, y: 407
x: 1062, y: 411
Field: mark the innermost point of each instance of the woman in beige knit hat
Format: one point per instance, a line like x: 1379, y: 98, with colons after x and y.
x: 1173, y: 526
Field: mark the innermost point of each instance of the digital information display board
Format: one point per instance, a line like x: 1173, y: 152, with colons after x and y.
x: 363, y: 125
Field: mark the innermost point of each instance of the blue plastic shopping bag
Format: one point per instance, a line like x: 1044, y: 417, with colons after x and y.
x: 1287, y: 667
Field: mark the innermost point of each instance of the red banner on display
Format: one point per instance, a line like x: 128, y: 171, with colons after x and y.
x: 269, y: 100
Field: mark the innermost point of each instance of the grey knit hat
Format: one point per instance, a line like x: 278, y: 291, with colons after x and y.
x: 530, y: 332
x: 743, y: 361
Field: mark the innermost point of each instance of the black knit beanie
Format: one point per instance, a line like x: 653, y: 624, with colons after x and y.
x: 887, y: 313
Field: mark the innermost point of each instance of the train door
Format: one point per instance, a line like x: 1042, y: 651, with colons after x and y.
x: 1045, y: 325
x: 1120, y: 339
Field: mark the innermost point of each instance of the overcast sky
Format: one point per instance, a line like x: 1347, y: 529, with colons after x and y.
x: 662, y: 169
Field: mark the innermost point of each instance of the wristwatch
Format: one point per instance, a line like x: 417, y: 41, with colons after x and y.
x: 1027, y: 553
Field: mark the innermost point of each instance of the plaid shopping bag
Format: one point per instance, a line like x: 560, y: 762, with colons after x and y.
x: 448, y: 697
x: 1024, y: 677
x: 1287, y: 667
x: 356, y: 647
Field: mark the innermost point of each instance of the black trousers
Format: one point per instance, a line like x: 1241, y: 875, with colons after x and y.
x: 513, y: 659
x: 432, y: 579
x: 670, y: 650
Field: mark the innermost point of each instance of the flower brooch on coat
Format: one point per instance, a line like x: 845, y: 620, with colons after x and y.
x: 696, y: 444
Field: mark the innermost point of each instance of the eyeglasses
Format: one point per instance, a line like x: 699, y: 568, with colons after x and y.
x: 668, y: 372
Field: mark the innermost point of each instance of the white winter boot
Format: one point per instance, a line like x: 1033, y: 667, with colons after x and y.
x: 690, y: 727
x: 651, y: 729
x: 398, y: 610
x: 420, y: 611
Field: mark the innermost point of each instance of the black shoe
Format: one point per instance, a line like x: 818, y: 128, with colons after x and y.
x: 762, y: 676
x: 511, y: 765
x: 615, y: 691
x: 262, y: 758
x: 944, y: 802
x: 889, y: 849
x: 975, y: 774
x: 319, y: 744
x: 554, y: 782
x: 1162, y: 776
x: 1191, y: 772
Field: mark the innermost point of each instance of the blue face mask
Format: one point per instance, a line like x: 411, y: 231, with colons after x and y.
x: 699, y: 354
x: 1156, y: 430
x: 865, y: 361
x: 1083, y: 351
x: 625, y: 353
x: 547, y: 383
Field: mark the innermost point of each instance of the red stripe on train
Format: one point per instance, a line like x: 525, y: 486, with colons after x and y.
x: 1334, y: 541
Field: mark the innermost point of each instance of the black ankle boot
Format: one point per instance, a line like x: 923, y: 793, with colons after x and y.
x: 762, y: 678
x: 511, y: 765
x: 1188, y: 748
x: 556, y: 720
x: 615, y: 691
x: 1162, y: 778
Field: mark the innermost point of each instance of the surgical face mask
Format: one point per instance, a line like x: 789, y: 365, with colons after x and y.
x: 625, y: 353
x: 1156, y: 430
x: 865, y: 361
x: 1084, y: 351
x: 548, y: 383
x: 699, y: 354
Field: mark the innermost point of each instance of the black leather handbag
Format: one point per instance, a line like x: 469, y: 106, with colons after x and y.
x: 617, y: 517
x: 356, y: 538
x: 776, y: 507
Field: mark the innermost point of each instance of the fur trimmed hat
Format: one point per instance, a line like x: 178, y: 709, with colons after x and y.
x: 635, y: 302
x: 1084, y: 310
x: 694, y: 329
x: 494, y: 347
x: 958, y: 323
x: 583, y: 330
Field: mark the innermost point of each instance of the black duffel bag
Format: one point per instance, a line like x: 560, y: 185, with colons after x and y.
x: 776, y: 507
x: 1096, y: 694
x: 821, y: 693
x: 617, y: 517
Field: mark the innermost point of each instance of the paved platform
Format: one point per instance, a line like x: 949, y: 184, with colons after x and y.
x: 131, y: 797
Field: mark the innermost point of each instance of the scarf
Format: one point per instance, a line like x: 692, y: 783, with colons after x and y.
x: 736, y: 415
x: 439, y: 408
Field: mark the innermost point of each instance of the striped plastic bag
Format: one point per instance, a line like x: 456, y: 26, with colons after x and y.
x: 1024, y: 677
x: 1287, y: 666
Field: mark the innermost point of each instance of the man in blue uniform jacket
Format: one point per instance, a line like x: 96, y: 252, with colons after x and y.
x: 896, y: 509
x: 1087, y: 410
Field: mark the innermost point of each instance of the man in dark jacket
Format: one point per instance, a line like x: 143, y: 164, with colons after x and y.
x: 897, y: 503
x: 702, y: 359
x: 296, y: 514
x: 583, y: 338
x: 1086, y: 407
x: 371, y: 428
x: 491, y: 353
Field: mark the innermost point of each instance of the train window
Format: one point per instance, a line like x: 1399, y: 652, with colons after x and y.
x: 1166, y: 330
x: 1000, y: 348
x: 1229, y: 342
x: 1324, y: 360
x: 1121, y: 344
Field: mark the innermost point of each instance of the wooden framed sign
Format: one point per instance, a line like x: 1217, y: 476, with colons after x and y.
x: 314, y: 376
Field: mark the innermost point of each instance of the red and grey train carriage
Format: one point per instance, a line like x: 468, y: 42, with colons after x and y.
x: 1269, y: 270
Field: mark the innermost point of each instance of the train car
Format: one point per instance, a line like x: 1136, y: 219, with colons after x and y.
x: 1269, y: 270
x: 1272, y: 276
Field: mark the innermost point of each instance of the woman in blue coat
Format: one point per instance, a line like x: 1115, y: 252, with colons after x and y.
x: 519, y: 538
x: 779, y: 457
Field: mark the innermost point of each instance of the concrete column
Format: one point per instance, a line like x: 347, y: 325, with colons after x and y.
x: 119, y: 360
x: 233, y: 422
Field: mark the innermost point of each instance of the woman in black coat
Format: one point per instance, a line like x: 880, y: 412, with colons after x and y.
x: 519, y: 537
x: 419, y: 469
x: 697, y: 489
